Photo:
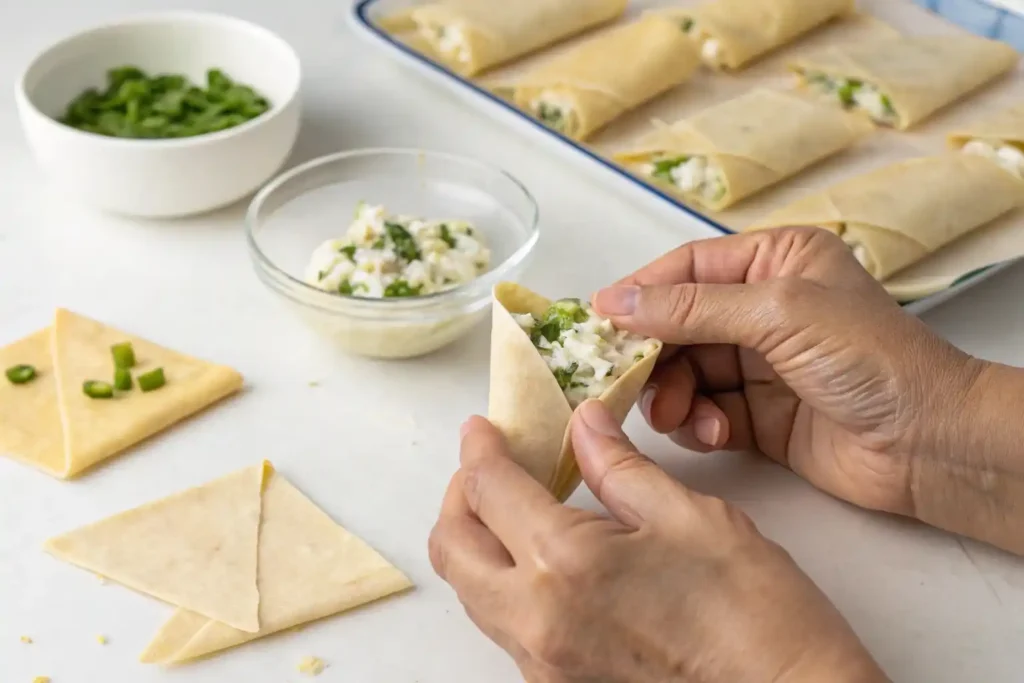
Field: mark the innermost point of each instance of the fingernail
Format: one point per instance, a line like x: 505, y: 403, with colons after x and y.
x: 647, y: 399
x: 707, y: 431
x: 464, y: 429
x: 598, y: 418
x: 617, y: 300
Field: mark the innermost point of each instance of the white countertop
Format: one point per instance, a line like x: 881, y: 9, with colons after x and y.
x: 375, y: 443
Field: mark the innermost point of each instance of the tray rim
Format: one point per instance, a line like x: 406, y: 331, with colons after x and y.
x: 359, y: 17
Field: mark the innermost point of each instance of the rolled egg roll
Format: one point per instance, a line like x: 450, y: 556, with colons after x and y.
x: 999, y: 137
x: 734, y: 33
x: 735, y: 149
x: 470, y: 36
x: 895, y: 216
x: 581, y: 91
x: 902, y: 81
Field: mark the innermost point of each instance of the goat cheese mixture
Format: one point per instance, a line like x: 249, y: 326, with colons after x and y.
x: 585, y: 352
x: 450, y: 40
x: 1009, y: 157
x: 690, y: 174
x: 383, y: 257
x: 710, y: 48
x: 854, y: 94
x: 556, y: 110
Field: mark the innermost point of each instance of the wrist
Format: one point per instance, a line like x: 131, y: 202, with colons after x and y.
x: 836, y: 667
x: 970, y: 479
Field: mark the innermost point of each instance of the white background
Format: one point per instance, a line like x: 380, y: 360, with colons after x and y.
x: 375, y: 443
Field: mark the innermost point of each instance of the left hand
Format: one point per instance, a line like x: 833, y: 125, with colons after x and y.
x: 675, y: 586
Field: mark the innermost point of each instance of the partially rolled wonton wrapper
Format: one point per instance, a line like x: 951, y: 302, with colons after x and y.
x: 584, y: 89
x: 733, y: 33
x: 902, y: 81
x: 999, y: 137
x: 735, y: 149
x: 470, y: 36
x: 547, y: 358
x: 895, y: 216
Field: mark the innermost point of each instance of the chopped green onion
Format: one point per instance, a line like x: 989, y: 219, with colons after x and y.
x: 687, y: 24
x: 124, y: 355
x: 152, y: 380
x: 21, y: 374
x: 401, y: 288
x: 349, y: 251
x: 99, y: 390
x: 379, y: 243
x: 663, y: 168
x: 553, y: 116
x: 405, y: 243
x: 123, y: 379
x: 345, y: 288
x: 887, y: 103
x: 564, y: 375
x: 446, y: 236
x: 847, y: 91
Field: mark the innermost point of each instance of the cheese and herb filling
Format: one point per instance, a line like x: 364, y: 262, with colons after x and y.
x: 384, y: 256
x: 1008, y: 156
x: 690, y: 174
x: 855, y: 94
x: 585, y: 352
x: 450, y: 40
x: 710, y: 48
x: 556, y: 111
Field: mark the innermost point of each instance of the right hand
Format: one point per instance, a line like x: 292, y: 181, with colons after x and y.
x: 779, y: 341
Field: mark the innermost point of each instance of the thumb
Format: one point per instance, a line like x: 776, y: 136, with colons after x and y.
x: 633, y: 488
x: 692, y: 313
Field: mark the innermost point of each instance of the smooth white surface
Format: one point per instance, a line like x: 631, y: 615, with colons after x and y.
x: 375, y: 443
x: 162, y: 178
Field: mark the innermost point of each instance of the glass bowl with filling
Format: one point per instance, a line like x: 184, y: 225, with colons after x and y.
x: 391, y: 253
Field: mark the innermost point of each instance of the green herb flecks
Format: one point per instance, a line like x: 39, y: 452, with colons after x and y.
x: 349, y: 251
x: 401, y: 288
x: 152, y: 380
x: 687, y: 24
x: 405, y: 243
x: 123, y: 379
x: 124, y: 355
x: 564, y: 375
x: 560, y: 317
x: 447, y: 237
x: 137, y: 105
x: 551, y: 115
x: 20, y: 374
x: 98, y: 390
x: 887, y: 104
x: 663, y: 168
x: 847, y: 92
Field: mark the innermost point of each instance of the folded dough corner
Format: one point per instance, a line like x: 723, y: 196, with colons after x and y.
x: 525, y: 402
x: 51, y: 424
x: 242, y: 557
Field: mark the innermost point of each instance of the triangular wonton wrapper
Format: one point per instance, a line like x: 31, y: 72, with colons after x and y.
x: 614, y: 72
x: 60, y: 430
x: 757, y: 140
x: 895, y: 216
x: 194, y: 549
x: 527, y: 405
x: 748, y: 29
x: 1005, y: 126
x: 309, y: 568
x: 498, y: 32
x: 919, y: 74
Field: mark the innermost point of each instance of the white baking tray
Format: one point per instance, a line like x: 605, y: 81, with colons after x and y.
x: 364, y: 17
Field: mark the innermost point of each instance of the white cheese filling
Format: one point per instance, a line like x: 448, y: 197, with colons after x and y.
x: 584, y: 351
x: 691, y: 174
x: 709, y: 52
x: 1009, y: 157
x: 384, y: 256
x: 854, y: 94
x: 556, y: 110
x: 451, y: 41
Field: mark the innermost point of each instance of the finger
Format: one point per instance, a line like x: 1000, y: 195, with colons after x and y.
x: 729, y: 410
x: 462, y: 550
x: 635, y: 490
x: 516, y: 508
x: 723, y: 260
x: 667, y: 399
x: 754, y: 316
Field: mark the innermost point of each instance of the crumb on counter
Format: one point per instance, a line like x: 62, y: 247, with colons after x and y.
x: 26, y: 640
x: 41, y: 679
x: 101, y: 579
x: 102, y: 640
x: 311, y: 666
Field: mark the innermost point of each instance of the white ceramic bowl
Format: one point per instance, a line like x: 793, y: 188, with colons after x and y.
x: 312, y: 203
x: 162, y: 178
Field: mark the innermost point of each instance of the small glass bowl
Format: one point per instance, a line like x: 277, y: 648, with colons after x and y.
x: 314, y: 202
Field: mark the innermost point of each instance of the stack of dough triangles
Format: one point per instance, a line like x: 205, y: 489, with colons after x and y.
x: 241, y: 557
x: 51, y: 424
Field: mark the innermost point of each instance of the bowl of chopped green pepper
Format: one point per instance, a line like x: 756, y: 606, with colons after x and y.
x: 162, y: 115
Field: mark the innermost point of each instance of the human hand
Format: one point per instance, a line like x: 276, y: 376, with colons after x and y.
x: 674, y: 587
x: 784, y: 344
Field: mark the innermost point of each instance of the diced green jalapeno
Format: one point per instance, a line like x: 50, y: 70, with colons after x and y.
x: 20, y: 374
x: 152, y: 380
x: 98, y: 390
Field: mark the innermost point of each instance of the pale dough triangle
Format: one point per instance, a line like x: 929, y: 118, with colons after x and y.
x: 30, y: 426
x: 195, y: 549
x: 309, y: 568
x: 96, y: 429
